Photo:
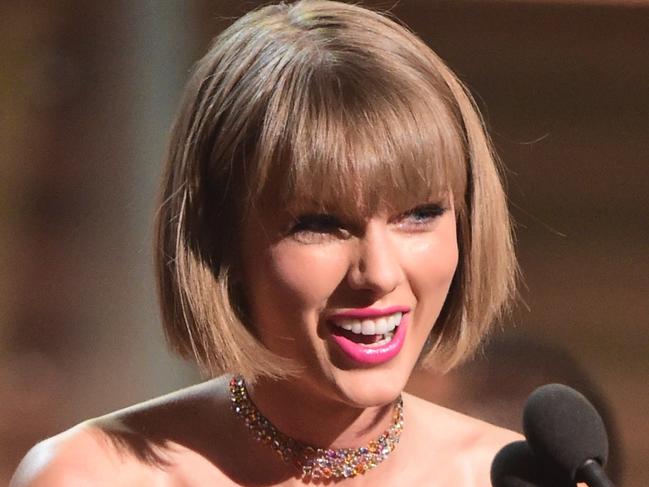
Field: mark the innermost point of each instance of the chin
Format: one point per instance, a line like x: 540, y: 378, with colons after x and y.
x: 371, y: 387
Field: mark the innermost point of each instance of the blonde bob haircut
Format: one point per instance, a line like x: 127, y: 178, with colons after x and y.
x: 338, y: 106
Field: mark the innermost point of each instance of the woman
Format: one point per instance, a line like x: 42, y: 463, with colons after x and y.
x: 332, y: 218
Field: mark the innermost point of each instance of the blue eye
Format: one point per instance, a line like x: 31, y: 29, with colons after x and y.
x: 424, y: 213
x: 420, y: 218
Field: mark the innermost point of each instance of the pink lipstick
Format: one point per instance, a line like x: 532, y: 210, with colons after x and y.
x: 358, y: 348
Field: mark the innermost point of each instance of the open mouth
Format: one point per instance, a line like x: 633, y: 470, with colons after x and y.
x: 368, y: 332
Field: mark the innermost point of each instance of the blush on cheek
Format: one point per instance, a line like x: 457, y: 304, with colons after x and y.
x: 438, y: 257
x: 309, y: 274
x: 432, y: 263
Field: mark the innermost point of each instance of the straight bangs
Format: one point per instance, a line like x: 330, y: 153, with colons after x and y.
x: 353, y: 144
x: 321, y: 106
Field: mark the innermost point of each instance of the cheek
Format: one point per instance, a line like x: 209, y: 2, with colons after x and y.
x: 297, y: 279
x: 431, y: 266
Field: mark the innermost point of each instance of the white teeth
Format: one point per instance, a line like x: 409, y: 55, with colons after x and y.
x: 345, y: 325
x: 383, y: 341
x: 380, y: 326
x: 393, y: 321
x: 369, y: 327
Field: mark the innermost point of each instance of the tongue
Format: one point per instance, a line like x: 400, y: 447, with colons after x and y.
x: 357, y: 338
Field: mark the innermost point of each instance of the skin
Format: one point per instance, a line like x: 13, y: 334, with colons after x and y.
x: 298, y: 270
x: 403, y: 257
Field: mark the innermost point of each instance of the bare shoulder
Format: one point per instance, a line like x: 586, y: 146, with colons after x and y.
x: 464, y: 446
x: 146, y: 444
x: 73, y: 458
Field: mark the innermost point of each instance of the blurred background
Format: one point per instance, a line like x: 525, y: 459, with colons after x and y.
x: 87, y: 94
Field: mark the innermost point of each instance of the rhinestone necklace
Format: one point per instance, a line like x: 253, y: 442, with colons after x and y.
x: 315, y: 463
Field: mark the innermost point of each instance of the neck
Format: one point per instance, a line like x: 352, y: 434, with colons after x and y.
x: 314, y: 419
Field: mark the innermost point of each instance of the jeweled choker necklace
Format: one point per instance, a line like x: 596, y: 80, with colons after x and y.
x: 313, y: 462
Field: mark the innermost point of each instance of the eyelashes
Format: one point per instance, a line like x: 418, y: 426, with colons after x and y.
x: 422, y: 215
x: 318, y: 227
x: 316, y: 223
x: 314, y: 227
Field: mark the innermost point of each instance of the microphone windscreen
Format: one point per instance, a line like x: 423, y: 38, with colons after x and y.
x: 515, y: 465
x: 561, y: 425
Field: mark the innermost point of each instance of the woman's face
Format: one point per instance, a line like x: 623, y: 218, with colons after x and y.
x: 353, y: 302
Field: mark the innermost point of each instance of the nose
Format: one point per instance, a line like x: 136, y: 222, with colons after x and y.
x: 376, y: 266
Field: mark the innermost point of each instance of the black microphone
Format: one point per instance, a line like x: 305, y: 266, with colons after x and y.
x: 563, y: 427
x: 515, y: 465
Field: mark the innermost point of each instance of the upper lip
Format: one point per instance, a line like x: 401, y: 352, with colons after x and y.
x: 361, y: 313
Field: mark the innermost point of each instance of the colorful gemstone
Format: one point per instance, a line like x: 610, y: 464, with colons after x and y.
x: 315, y: 463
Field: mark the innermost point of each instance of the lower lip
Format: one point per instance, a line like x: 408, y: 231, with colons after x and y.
x: 369, y: 355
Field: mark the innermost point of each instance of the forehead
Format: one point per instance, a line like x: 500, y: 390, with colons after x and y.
x: 356, y: 169
x: 352, y: 205
x: 344, y: 137
x: 363, y: 179
x: 361, y: 206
